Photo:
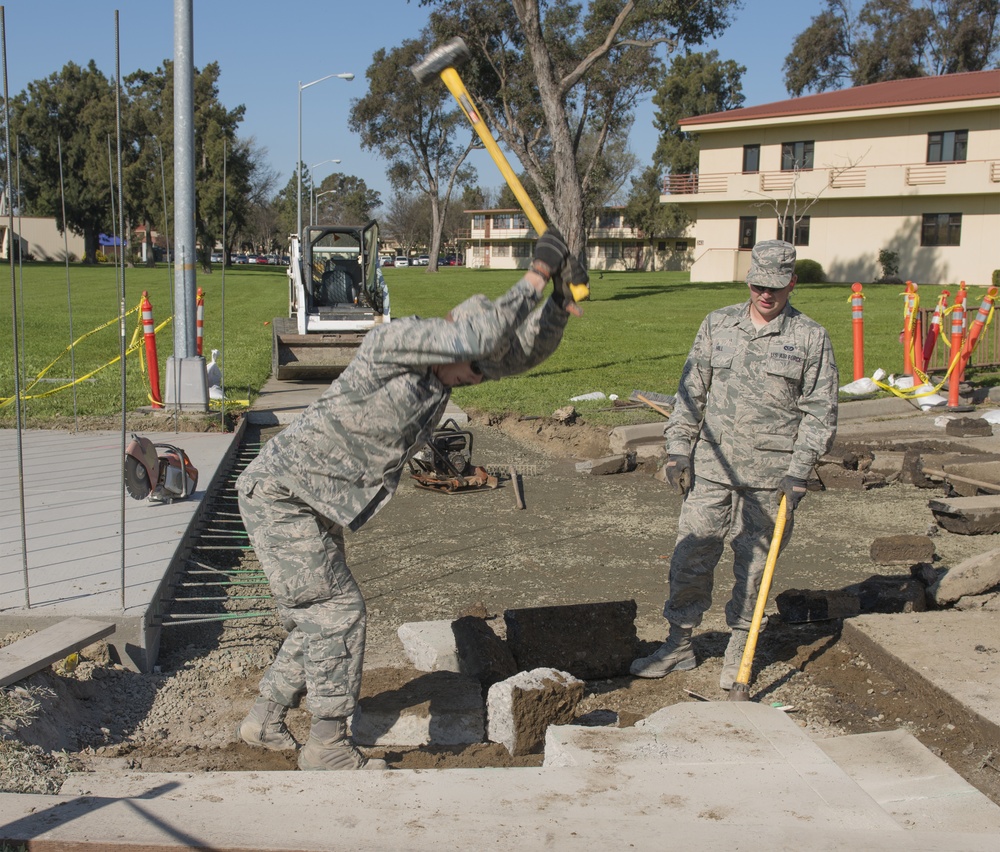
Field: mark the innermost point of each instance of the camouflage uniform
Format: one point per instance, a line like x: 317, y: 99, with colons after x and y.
x: 755, y: 405
x: 339, y: 463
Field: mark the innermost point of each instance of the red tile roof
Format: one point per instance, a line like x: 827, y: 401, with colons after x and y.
x: 895, y: 93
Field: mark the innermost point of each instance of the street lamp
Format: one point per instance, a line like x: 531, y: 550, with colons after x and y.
x: 319, y: 195
x: 298, y: 164
x: 311, y: 221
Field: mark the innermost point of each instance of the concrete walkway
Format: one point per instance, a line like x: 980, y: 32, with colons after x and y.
x: 70, y: 560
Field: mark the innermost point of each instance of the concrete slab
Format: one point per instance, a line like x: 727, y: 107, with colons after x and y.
x: 72, y: 561
x: 915, y: 786
x: 954, y: 657
x: 717, y: 775
x: 35, y: 652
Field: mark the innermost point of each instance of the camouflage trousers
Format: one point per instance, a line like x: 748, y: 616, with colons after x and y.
x: 302, y: 554
x: 713, y: 514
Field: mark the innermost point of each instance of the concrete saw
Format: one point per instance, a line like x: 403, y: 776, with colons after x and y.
x: 161, y: 473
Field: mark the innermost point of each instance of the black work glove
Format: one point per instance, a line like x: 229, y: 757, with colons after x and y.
x: 551, y: 250
x: 571, y: 272
x: 678, y: 473
x: 794, y: 490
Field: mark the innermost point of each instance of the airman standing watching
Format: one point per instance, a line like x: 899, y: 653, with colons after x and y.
x: 756, y: 407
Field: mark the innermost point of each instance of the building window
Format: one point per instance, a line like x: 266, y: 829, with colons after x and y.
x: 941, y: 229
x: 748, y: 231
x: 681, y: 245
x: 751, y: 159
x: 509, y: 220
x: 479, y: 221
x: 796, y: 155
x: 795, y: 233
x: 609, y: 250
x: 477, y: 251
x: 661, y: 245
x: 522, y: 249
x: 947, y: 146
x: 501, y: 250
x: 609, y: 220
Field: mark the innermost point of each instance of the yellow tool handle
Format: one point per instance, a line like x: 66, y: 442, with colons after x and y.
x: 457, y: 88
x: 746, y: 664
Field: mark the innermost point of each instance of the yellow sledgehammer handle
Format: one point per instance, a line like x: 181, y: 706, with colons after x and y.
x: 457, y: 88
x: 740, y: 690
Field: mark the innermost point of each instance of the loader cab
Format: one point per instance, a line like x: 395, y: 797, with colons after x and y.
x: 337, y: 293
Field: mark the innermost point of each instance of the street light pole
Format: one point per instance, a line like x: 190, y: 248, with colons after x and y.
x: 319, y: 196
x: 298, y: 164
x: 313, y: 166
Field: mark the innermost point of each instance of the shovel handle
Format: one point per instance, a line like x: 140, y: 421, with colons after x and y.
x: 746, y: 664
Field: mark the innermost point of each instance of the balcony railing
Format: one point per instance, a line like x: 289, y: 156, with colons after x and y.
x: 968, y: 177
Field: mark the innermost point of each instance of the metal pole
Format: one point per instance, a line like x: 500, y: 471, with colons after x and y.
x: 184, y: 191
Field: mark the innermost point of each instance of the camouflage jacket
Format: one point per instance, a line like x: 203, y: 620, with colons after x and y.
x: 755, y: 404
x: 345, y: 454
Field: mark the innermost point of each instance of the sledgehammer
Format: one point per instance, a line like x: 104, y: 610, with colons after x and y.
x: 442, y: 61
x: 740, y: 690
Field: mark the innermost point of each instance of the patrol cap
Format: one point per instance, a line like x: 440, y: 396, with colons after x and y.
x: 772, y: 264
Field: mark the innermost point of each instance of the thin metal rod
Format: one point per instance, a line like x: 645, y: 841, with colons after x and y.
x: 121, y: 292
x: 13, y: 317
x: 69, y: 292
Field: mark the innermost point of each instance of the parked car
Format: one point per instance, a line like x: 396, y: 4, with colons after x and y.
x: 401, y: 261
x: 388, y: 261
x: 261, y: 259
x: 216, y: 257
x: 423, y: 260
x: 241, y: 258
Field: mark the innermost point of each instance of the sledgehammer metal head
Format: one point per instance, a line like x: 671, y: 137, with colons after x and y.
x: 451, y: 54
x: 443, y: 61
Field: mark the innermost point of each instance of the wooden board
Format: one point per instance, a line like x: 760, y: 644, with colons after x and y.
x: 35, y: 652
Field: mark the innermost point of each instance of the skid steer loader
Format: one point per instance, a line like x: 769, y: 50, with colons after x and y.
x: 336, y: 295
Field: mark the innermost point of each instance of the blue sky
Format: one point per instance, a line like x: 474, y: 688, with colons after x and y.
x: 266, y: 48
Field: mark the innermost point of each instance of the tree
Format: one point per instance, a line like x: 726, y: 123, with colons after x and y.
x: 350, y: 201
x: 546, y: 75
x: 72, y: 110
x: 653, y: 218
x: 416, y: 128
x: 249, y: 180
x: 892, y: 40
x: 694, y: 84
x: 404, y: 218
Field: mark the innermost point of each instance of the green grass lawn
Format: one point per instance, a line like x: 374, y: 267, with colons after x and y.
x: 634, y: 335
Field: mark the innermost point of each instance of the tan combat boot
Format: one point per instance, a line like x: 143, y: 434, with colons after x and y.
x: 674, y: 655
x: 264, y: 727
x: 329, y: 748
x: 734, y: 657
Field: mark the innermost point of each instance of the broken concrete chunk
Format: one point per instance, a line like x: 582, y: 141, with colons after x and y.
x: 481, y: 653
x: 902, y: 550
x: 968, y: 427
x: 398, y: 707
x: 592, y: 640
x: 890, y: 594
x: 429, y: 645
x: 620, y: 463
x: 644, y: 439
x: 520, y: 709
x: 797, y: 606
x: 967, y: 515
x: 974, y: 576
x: 566, y: 414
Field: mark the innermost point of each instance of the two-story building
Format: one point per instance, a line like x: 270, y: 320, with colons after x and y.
x: 504, y: 239
x: 911, y: 166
